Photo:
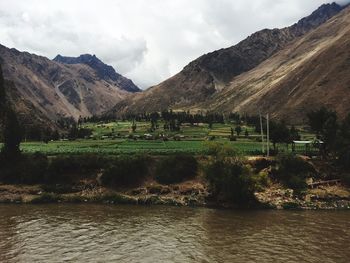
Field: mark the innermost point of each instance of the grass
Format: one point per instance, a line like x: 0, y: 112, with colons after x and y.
x: 114, y: 147
x: 123, y: 146
x: 110, y: 138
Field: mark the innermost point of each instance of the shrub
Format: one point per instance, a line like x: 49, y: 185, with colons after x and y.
x: 60, y: 188
x: 231, y: 181
x: 346, y: 179
x: 126, y: 171
x: 221, y: 150
x: 65, y: 169
x: 293, y: 171
x: 233, y: 138
x: 261, y: 163
x: 176, y: 169
x: 26, y: 169
x: 261, y: 180
x: 46, y: 198
x: 34, y: 169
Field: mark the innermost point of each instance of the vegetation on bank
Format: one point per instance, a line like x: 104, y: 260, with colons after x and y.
x: 211, y: 151
x: 230, y: 178
x: 176, y: 169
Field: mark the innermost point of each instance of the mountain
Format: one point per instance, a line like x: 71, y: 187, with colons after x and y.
x: 54, y: 90
x: 204, y: 82
x: 311, y: 72
x: 104, y: 72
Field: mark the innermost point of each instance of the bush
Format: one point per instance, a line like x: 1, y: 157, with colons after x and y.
x: 221, y: 150
x: 262, y: 163
x: 46, y: 198
x: 65, y: 169
x: 60, y: 188
x: 293, y: 171
x: 176, y: 169
x: 261, y: 180
x: 231, y: 181
x: 26, y: 169
x: 346, y: 179
x: 126, y: 172
x: 233, y: 138
x: 34, y: 169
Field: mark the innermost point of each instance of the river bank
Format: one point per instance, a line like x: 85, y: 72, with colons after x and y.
x: 191, y: 193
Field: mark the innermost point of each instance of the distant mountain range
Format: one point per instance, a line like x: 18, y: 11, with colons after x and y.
x: 269, y: 72
x: 103, y: 71
x: 46, y: 90
x: 286, y: 72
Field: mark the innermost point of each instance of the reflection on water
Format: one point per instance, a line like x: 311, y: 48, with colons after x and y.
x: 97, y: 233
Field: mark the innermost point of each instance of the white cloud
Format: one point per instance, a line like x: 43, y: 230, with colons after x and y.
x: 146, y: 40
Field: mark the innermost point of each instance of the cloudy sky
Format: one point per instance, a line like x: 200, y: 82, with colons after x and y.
x: 145, y: 40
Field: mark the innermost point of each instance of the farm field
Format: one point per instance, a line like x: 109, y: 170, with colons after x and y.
x: 123, y: 128
x: 117, y: 138
x: 245, y: 147
x: 132, y: 147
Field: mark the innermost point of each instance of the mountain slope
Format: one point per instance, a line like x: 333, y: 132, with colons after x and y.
x: 58, y: 90
x: 103, y: 71
x: 311, y: 72
x: 207, y: 76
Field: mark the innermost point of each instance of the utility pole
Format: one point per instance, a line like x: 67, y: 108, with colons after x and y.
x: 262, y: 134
x: 268, y: 134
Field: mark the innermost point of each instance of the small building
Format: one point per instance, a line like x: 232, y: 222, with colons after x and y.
x: 307, y: 145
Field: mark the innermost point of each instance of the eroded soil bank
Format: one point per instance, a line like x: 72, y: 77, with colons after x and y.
x: 190, y: 193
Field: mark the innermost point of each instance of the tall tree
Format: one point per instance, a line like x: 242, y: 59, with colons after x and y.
x: 238, y: 130
x: 343, y: 143
x: 12, y: 132
x: 279, y: 133
x: 324, y: 123
x: 318, y: 119
x: 2, y: 93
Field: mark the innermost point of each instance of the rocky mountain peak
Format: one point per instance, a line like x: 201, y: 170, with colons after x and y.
x: 103, y: 71
x: 318, y: 17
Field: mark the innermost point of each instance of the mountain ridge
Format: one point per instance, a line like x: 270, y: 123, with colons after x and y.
x: 209, y: 74
x: 54, y: 89
x: 103, y: 70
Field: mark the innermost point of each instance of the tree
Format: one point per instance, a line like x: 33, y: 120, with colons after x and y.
x: 342, y: 144
x: 324, y: 123
x: 12, y: 132
x: 133, y: 126
x: 279, y: 133
x: 2, y: 92
x: 238, y: 130
x: 294, y: 134
x: 318, y: 118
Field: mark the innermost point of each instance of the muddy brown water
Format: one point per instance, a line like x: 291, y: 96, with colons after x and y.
x: 101, y: 233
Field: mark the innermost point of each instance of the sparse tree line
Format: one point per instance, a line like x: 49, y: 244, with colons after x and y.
x: 229, y: 178
x: 12, y: 133
x: 172, y: 119
x: 334, y: 133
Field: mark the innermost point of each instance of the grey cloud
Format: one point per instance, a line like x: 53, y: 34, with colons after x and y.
x: 343, y: 2
x: 146, y: 40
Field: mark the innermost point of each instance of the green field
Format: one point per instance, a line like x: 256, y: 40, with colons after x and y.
x: 190, y: 131
x: 129, y: 147
x: 112, y: 138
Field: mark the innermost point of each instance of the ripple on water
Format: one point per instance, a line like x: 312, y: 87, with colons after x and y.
x: 97, y: 233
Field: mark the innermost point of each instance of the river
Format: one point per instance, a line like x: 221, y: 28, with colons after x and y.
x: 101, y: 233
